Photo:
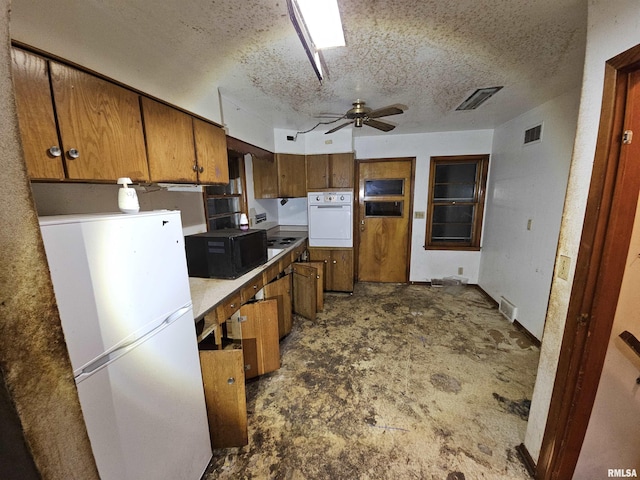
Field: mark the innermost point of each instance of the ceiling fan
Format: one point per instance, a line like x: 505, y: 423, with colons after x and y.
x: 362, y: 115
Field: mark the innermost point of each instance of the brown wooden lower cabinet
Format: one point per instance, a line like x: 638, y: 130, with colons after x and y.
x: 259, y: 337
x: 305, y: 292
x: 338, y: 267
x: 281, y: 291
x: 251, y: 345
x: 320, y: 284
x: 225, y: 397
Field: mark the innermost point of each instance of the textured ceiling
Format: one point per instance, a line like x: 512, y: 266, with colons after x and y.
x: 427, y: 55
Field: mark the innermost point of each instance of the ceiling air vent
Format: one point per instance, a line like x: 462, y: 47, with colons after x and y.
x: 533, y: 134
x: 477, y: 98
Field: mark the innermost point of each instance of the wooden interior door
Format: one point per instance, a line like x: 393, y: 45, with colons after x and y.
x: 225, y: 397
x: 384, y: 219
x: 281, y: 291
x: 305, y: 290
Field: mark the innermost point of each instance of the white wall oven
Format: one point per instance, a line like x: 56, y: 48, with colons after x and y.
x: 330, y: 219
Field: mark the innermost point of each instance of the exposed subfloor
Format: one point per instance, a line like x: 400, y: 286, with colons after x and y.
x: 393, y: 382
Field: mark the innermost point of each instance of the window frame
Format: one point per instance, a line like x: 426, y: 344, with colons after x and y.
x: 478, y: 202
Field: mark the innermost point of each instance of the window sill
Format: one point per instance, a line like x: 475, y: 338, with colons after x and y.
x: 452, y: 247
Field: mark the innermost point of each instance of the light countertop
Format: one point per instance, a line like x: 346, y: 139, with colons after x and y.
x: 206, y: 293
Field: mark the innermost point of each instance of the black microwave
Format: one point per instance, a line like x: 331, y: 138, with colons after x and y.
x: 227, y: 253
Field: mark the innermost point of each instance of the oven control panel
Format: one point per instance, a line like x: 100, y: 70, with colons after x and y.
x: 320, y: 198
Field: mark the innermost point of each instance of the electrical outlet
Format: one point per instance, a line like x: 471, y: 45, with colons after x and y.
x: 529, y: 224
x: 564, y: 264
x: 418, y: 214
x: 460, y: 270
x: 328, y: 142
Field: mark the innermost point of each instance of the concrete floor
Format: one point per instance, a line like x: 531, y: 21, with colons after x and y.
x: 393, y: 382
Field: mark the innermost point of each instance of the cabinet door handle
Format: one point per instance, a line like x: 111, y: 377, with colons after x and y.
x: 73, y: 153
x: 201, y: 169
x: 195, y: 168
x: 335, y: 261
x: 55, y: 151
x: 231, y: 381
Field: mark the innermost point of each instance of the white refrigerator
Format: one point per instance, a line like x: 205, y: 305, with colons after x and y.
x: 122, y: 290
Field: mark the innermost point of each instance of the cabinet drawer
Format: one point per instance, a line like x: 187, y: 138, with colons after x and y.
x: 296, y: 252
x: 251, y: 288
x: 271, y: 272
x: 228, y: 307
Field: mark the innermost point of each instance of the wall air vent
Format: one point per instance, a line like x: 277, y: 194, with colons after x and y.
x: 533, y: 134
x: 478, y: 97
x: 508, y: 309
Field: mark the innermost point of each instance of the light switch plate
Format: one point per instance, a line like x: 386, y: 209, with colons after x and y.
x: 418, y: 214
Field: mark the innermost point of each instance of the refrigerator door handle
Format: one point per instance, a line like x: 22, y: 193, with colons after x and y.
x: 122, y: 349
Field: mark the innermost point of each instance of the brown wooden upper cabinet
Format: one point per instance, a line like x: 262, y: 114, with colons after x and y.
x: 265, y: 177
x: 181, y: 148
x: 292, y: 178
x: 329, y: 171
x: 100, y: 127
x: 283, y: 176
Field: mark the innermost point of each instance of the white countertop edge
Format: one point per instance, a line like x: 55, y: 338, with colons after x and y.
x: 206, y: 293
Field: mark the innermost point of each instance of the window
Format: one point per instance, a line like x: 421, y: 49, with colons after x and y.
x: 456, y: 202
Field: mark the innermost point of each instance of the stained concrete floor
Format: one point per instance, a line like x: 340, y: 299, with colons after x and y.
x: 393, y: 382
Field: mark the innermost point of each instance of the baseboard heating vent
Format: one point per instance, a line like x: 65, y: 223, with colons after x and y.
x: 508, y: 309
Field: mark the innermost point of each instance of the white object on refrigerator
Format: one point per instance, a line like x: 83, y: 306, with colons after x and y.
x: 330, y: 219
x: 122, y: 290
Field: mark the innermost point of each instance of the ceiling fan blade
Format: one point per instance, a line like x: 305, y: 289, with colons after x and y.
x: 385, y: 112
x: 385, y: 127
x: 338, y: 128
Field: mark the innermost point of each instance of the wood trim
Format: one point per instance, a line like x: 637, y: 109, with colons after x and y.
x: 530, y: 336
x: 50, y: 56
x: 599, y: 269
x: 243, y: 148
x: 482, y: 161
x: 526, y: 459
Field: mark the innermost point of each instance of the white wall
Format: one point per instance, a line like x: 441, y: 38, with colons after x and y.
x: 313, y: 142
x: 243, y: 124
x: 69, y: 198
x: 427, y: 264
x: 528, y: 183
x: 613, y: 27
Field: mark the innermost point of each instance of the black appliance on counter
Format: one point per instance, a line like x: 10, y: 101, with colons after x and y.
x: 227, y: 253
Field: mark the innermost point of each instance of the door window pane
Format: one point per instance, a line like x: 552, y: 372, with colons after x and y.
x: 383, y: 187
x: 383, y: 209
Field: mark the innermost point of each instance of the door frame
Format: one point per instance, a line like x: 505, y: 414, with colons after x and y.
x: 608, y: 222
x: 356, y: 216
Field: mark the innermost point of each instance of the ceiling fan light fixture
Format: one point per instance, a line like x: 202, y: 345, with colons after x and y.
x: 322, y: 20
x: 358, y: 122
x: 478, y: 97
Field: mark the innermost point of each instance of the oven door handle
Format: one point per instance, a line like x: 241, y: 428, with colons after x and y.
x: 332, y: 206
